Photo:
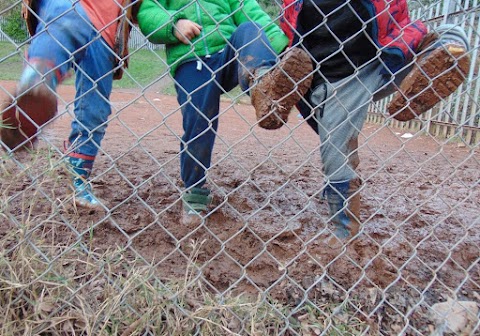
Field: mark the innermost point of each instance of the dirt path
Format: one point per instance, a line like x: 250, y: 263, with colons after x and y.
x: 267, y: 227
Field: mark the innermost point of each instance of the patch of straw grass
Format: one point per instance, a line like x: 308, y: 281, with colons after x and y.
x: 58, y: 290
x: 57, y: 287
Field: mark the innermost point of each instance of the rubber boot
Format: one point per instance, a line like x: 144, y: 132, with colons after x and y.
x: 275, y: 92
x: 344, y: 204
x: 195, y: 204
x: 35, y: 104
x: 441, y: 67
x: 80, y: 167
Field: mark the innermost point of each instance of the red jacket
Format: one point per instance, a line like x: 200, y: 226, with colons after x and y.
x: 392, y: 30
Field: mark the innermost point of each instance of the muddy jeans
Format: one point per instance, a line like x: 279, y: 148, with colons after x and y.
x: 199, y: 84
x: 341, y: 109
x: 64, y: 36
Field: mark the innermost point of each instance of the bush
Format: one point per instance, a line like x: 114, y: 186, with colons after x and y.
x: 14, y: 26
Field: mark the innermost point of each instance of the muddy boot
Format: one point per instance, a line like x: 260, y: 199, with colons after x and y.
x: 195, y: 203
x: 439, y: 70
x: 80, y: 169
x: 35, y: 104
x: 276, y: 91
x: 344, y: 203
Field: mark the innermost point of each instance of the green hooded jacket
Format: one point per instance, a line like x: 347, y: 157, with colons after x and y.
x: 218, y: 18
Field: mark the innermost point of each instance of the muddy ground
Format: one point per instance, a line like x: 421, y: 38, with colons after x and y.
x: 267, y: 230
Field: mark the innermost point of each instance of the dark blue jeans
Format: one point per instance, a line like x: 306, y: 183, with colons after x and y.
x: 199, y: 84
x: 65, y: 34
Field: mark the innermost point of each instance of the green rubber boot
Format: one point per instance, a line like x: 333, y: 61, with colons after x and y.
x: 195, y: 204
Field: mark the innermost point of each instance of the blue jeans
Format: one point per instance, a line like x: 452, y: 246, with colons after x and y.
x: 341, y: 109
x: 65, y: 37
x: 199, y: 85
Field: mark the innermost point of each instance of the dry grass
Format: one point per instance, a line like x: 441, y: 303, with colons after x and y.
x: 73, y: 292
x: 50, y: 287
x: 57, y: 290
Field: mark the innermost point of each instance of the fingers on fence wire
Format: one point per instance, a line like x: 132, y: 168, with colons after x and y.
x: 435, y: 76
x: 280, y: 89
x: 22, y: 117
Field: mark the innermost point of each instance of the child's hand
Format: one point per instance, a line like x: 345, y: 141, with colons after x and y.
x: 186, y: 30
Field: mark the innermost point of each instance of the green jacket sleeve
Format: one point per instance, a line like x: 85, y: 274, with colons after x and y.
x: 156, y: 22
x: 250, y: 10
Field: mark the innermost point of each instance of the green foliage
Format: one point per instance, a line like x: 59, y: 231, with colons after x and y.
x: 6, y: 3
x: 14, y: 26
x: 11, y: 61
x: 145, y: 67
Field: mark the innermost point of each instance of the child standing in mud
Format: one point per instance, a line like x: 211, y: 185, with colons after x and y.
x: 212, y: 46
x: 92, y: 36
x: 362, y: 51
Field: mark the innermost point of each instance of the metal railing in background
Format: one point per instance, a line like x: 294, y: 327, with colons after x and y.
x: 457, y: 116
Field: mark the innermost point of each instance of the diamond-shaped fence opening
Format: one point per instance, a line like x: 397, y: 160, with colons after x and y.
x: 266, y: 257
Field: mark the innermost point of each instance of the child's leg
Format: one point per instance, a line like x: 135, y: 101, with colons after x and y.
x: 199, y: 85
x: 441, y: 66
x: 61, y: 30
x: 341, y: 110
x: 274, y: 92
x: 199, y: 98
x: 93, y: 83
x: 198, y: 94
x: 94, y: 77
x: 247, y: 50
x: 65, y: 33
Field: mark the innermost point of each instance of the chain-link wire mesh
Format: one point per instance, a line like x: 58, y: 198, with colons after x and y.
x: 265, y: 257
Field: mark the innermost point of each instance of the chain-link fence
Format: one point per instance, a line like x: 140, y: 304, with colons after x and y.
x: 457, y: 116
x: 264, y: 259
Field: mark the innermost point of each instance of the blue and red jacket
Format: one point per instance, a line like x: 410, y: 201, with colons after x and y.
x: 389, y: 27
x: 392, y: 29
